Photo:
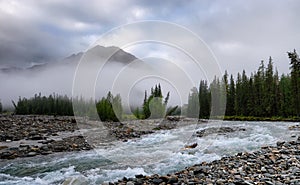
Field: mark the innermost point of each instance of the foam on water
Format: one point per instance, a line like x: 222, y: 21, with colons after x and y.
x: 161, y: 153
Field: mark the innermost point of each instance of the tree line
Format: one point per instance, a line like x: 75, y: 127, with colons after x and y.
x: 261, y: 94
x: 108, y: 108
x: 51, y: 105
x: 1, y: 108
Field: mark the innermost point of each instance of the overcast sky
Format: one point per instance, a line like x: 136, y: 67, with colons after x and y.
x: 240, y: 33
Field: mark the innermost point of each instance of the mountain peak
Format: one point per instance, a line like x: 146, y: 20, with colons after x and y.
x: 114, y: 53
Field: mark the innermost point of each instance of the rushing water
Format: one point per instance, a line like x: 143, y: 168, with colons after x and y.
x: 161, y: 153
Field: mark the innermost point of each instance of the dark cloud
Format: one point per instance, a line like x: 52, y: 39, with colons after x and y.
x: 240, y: 33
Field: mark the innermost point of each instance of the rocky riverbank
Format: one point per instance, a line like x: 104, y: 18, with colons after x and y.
x: 31, y: 135
x: 271, y: 165
x: 28, y: 136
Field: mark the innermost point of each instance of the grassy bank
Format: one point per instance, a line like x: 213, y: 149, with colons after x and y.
x: 251, y: 118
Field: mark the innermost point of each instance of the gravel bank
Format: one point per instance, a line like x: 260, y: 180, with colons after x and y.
x: 271, y: 165
x: 28, y: 136
x: 31, y: 135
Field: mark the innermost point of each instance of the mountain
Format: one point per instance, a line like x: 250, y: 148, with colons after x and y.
x: 97, y: 53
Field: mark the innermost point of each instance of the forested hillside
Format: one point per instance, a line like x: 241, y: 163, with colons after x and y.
x: 261, y: 94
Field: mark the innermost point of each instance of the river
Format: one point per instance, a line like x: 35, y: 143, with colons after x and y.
x: 159, y: 153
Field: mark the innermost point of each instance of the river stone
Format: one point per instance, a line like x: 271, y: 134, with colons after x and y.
x: 31, y: 154
x: 129, y: 183
x: 173, y: 179
x: 157, y: 181
x: 75, y: 181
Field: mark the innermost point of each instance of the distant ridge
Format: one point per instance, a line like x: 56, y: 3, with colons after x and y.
x: 96, y: 53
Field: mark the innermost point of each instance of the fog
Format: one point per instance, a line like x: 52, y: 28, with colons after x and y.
x: 90, y: 75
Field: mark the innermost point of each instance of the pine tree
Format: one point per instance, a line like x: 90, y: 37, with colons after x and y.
x: 204, y: 100
x: 155, y: 106
x: 295, y: 81
x: 238, y: 97
x: 193, y: 104
x: 137, y: 113
x: 146, y: 109
x: 216, y: 98
x: 224, y: 88
x: 285, y: 94
x: 244, y: 94
x: 230, y: 111
x: 251, y: 97
x: 269, y: 90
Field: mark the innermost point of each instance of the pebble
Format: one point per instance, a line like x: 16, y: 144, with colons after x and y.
x: 278, y: 164
x: 18, y: 127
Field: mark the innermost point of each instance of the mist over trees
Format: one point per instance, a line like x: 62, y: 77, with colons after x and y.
x: 51, y: 105
x: 155, y: 105
x: 262, y: 93
x: 110, y: 108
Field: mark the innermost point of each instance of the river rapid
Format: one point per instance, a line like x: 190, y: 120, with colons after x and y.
x: 161, y: 153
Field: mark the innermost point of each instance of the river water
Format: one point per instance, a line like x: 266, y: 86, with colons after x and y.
x: 159, y: 153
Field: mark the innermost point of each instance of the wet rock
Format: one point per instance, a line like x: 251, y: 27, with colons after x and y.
x: 173, y: 179
x: 218, y: 130
x: 173, y: 118
x: 157, y: 181
x: 31, y: 154
x: 139, y: 176
x: 271, y: 165
x: 3, y: 147
x: 130, y: 183
x: 36, y: 137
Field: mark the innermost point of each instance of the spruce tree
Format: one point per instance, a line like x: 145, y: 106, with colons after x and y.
x: 295, y: 81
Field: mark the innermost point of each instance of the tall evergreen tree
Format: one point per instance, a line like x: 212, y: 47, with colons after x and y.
x: 216, y: 98
x: 155, y: 106
x: 285, y: 92
x: 251, y: 96
x: 110, y: 108
x: 230, y: 111
x: 238, y: 96
x: 295, y: 81
x: 146, y: 110
x: 204, y: 100
x: 193, y: 104
x: 269, y: 90
x: 244, y: 94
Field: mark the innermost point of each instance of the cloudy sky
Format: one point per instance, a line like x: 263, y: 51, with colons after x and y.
x: 240, y: 33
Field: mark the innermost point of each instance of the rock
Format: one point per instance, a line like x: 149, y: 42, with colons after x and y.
x: 75, y: 181
x: 157, y: 181
x: 191, y: 146
x: 218, y: 130
x: 280, y: 143
x: 31, y: 154
x: 3, y: 147
x: 173, y: 179
x: 173, y: 118
x: 129, y: 183
x: 139, y: 176
x: 164, y: 178
x: 7, y: 155
x: 263, y: 169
